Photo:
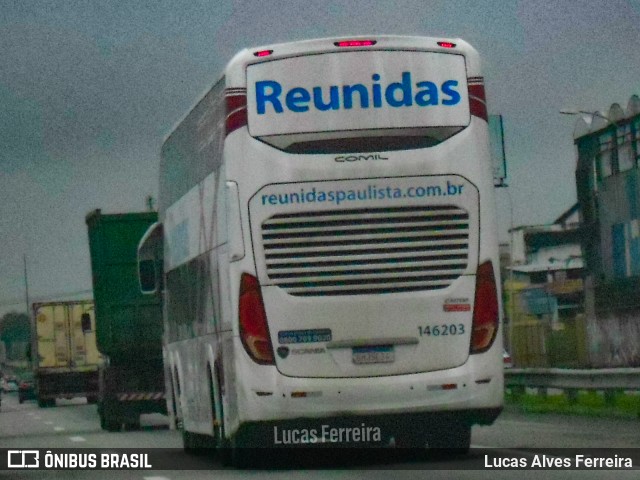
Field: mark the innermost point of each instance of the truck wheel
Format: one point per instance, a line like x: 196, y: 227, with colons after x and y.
x: 112, y: 424
x: 132, y: 426
x: 46, y: 402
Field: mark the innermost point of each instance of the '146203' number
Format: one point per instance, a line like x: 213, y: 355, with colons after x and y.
x: 442, y: 330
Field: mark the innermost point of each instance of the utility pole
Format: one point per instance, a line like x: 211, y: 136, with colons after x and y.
x: 26, y: 284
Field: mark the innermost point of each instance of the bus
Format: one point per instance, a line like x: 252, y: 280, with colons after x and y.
x: 328, y: 248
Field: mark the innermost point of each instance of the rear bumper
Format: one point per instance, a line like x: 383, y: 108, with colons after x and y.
x: 130, y: 410
x: 473, y: 391
x: 50, y: 385
x: 369, y: 431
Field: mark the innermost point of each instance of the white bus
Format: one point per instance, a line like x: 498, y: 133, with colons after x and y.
x: 330, y: 249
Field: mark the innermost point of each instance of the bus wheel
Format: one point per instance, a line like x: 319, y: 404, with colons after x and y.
x: 240, y: 456
x: 454, y: 439
x: 411, y: 444
x: 410, y: 441
x: 224, y: 450
x: 222, y: 445
x: 189, y: 442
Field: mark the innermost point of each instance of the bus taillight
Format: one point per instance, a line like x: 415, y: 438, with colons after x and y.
x: 485, y: 310
x: 254, y: 331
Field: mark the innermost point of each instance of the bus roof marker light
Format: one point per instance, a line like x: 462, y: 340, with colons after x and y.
x: 447, y: 44
x: 355, y: 43
x: 263, y: 53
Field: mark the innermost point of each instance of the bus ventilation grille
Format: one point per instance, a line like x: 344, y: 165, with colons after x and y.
x: 366, y: 251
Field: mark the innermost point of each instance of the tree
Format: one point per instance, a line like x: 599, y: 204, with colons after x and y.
x: 15, y: 328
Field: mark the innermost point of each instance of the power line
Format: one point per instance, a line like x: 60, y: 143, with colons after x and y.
x: 40, y: 298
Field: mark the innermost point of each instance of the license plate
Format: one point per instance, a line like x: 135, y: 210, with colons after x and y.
x: 377, y: 354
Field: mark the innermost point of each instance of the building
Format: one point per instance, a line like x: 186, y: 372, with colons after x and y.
x: 540, y: 253
x: 544, y: 294
x: 608, y: 186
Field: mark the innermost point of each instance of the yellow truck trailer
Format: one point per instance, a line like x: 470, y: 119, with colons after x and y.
x: 64, y: 354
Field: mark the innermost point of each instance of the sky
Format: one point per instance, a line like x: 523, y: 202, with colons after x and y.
x: 89, y: 89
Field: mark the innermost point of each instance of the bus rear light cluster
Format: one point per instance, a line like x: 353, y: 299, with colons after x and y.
x: 254, y: 331
x: 485, y: 310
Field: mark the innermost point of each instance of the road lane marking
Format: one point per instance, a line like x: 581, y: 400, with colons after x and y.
x: 48, y: 423
x: 77, y: 439
x: 156, y: 478
x: 59, y: 429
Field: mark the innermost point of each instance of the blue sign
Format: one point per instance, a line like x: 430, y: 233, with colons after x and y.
x: 396, y: 94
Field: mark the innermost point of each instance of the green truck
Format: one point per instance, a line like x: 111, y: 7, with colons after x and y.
x: 128, y: 323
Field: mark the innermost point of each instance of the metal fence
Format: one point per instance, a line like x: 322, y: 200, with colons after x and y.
x: 619, y: 379
x: 546, y: 327
x: 610, y: 381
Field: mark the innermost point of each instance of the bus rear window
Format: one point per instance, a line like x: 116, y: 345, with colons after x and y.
x: 361, y: 101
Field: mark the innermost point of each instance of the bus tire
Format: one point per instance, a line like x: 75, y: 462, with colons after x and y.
x: 240, y: 456
x: 224, y: 447
x: 112, y: 424
x: 189, y: 442
x: 454, y: 439
x: 224, y: 453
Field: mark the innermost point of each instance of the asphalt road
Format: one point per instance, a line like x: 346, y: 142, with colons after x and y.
x: 74, y: 424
